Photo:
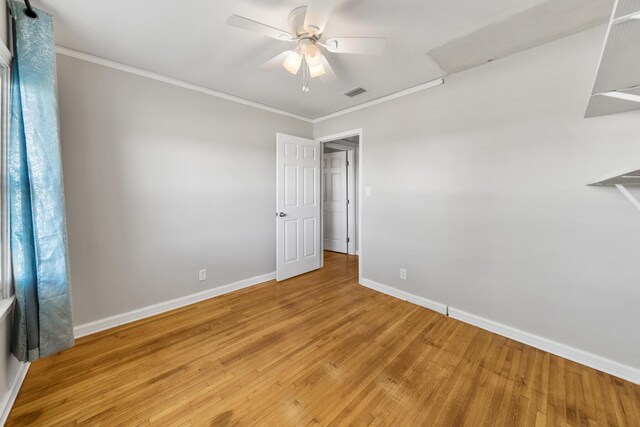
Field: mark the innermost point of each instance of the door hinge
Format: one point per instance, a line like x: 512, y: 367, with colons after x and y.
x: 348, y: 201
x: 347, y: 162
x: 348, y: 240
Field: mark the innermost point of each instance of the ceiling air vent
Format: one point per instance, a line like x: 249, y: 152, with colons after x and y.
x: 355, y: 92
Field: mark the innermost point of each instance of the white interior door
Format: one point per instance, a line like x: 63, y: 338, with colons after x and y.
x: 335, y: 201
x: 297, y: 205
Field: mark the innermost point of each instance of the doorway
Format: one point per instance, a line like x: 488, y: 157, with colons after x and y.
x: 354, y: 138
x: 339, y: 194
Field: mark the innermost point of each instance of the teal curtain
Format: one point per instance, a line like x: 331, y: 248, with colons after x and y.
x: 42, y: 317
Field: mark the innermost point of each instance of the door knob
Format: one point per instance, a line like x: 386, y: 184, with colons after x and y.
x: 282, y: 214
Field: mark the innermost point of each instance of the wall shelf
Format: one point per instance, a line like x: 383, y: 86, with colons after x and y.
x: 623, y: 177
x: 621, y: 180
x: 617, y: 84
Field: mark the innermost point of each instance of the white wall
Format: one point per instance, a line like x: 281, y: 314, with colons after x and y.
x: 160, y: 182
x: 478, y: 190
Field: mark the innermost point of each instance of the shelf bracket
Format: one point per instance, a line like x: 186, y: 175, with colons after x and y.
x: 628, y: 195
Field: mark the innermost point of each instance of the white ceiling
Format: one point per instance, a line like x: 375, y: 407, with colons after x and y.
x: 189, y: 40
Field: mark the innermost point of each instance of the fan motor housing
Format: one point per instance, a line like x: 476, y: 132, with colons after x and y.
x: 296, y: 21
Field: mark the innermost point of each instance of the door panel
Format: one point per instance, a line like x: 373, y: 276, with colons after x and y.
x: 335, y: 201
x: 310, y: 186
x: 310, y: 243
x: 297, y: 205
x: 291, y: 185
x: 291, y: 240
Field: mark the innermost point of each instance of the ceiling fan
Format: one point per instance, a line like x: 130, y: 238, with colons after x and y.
x: 307, y: 25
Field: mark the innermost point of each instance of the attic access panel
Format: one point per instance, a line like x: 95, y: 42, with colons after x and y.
x: 539, y: 24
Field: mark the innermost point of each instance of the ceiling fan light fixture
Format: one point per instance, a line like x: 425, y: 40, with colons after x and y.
x: 316, y: 70
x: 293, y: 62
x: 307, y: 24
x: 313, y: 56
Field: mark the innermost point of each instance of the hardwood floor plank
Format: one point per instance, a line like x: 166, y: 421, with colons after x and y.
x: 318, y: 349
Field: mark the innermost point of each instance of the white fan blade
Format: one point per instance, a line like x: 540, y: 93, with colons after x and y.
x: 318, y: 14
x: 329, y: 75
x: 257, y: 27
x: 275, y: 62
x: 359, y: 45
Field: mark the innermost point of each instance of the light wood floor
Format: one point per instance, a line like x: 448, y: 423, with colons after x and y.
x: 317, y: 349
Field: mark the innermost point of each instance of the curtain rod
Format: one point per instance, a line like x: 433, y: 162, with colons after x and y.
x: 29, y: 10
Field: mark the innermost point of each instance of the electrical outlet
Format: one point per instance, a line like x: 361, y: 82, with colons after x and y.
x: 403, y: 273
x: 202, y: 275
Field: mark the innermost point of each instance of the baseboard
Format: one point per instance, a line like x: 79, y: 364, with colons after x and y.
x: 152, y: 310
x: 357, y: 252
x: 579, y: 356
x: 406, y: 296
x: 10, y: 396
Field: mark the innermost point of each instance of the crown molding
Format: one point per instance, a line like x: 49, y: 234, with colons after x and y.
x: 204, y: 90
x: 172, y: 81
x: 410, y: 91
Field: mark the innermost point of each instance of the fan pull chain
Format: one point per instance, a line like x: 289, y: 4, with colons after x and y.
x: 305, y: 75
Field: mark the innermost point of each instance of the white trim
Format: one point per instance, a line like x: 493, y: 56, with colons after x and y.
x: 152, y: 310
x: 387, y: 98
x: 352, y: 201
x: 5, y: 306
x: 357, y: 253
x: 360, y: 207
x: 580, y: 356
x: 180, y: 83
x: 5, y: 55
x: 170, y: 80
x: 405, y: 296
x: 6, y: 277
x: 10, y: 395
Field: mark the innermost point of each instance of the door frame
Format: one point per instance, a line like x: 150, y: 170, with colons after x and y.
x: 360, y: 206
